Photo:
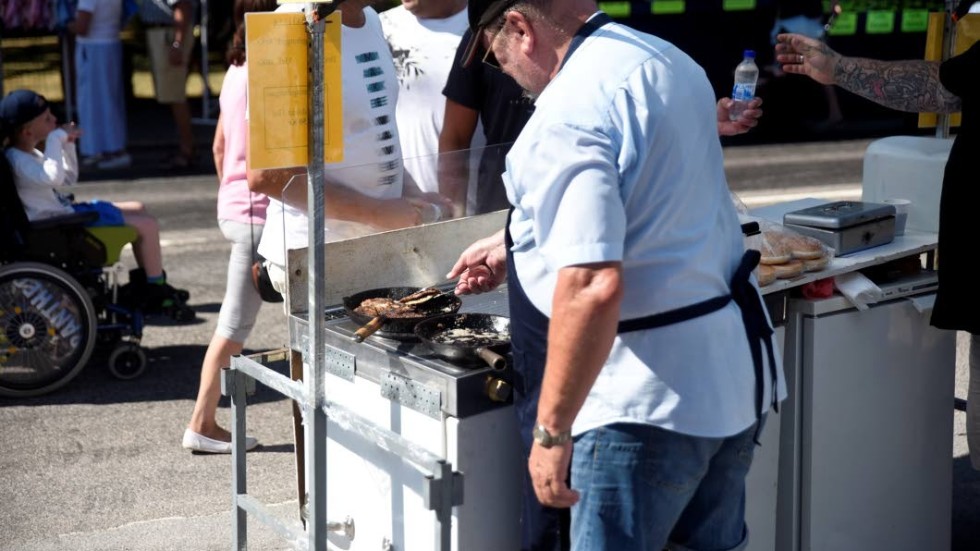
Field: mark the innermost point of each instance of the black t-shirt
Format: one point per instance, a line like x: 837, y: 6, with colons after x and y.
x: 793, y: 8
x: 500, y: 101
x: 503, y: 109
x: 957, y: 301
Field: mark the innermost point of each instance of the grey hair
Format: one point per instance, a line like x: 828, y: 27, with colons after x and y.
x: 540, y: 12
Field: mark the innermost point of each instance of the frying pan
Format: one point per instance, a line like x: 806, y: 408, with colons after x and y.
x: 400, y: 328
x: 492, y: 337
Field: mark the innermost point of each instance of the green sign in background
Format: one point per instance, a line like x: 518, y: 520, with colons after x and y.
x: 618, y: 10
x: 880, y: 22
x: 738, y: 5
x: 915, y: 21
x: 667, y: 7
x: 845, y: 24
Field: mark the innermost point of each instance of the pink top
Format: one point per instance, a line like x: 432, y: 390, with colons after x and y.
x: 233, y: 194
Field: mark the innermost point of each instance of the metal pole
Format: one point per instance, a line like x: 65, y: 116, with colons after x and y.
x: 949, y: 43
x: 234, y: 385
x: 66, y: 77
x: 316, y: 418
x: 206, y: 94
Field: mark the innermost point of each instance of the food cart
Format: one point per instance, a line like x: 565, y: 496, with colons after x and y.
x: 869, y: 400
x: 399, y: 449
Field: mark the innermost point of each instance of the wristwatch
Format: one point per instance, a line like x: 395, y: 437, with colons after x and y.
x: 547, y: 440
x: 176, y: 45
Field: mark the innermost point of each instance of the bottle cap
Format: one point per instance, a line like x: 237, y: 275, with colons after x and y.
x: 749, y: 54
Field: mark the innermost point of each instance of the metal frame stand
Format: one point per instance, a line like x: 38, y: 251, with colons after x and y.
x: 442, y: 488
x: 949, y: 39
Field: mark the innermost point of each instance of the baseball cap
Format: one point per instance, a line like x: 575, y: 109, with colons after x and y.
x: 21, y: 106
x: 481, y: 14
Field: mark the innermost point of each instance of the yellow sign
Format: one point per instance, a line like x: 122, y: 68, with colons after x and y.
x: 278, y: 104
x: 967, y: 32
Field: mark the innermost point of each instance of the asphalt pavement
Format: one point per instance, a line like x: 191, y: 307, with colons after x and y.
x: 98, y: 464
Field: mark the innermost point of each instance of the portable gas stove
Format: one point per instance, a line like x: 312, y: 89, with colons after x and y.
x: 460, y: 413
x: 409, y: 372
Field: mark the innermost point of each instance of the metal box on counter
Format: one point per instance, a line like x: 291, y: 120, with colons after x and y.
x: 846, y: 226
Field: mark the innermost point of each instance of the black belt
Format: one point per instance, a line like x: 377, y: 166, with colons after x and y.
x: 757, y: 327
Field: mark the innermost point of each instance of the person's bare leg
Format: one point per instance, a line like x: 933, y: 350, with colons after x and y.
x: 146, y: 248
x: 185, y: 133
x: 204, y: 418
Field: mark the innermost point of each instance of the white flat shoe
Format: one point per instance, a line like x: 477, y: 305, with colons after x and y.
x: 202, y: 444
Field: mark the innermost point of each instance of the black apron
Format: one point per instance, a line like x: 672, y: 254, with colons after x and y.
x: 542, y: 528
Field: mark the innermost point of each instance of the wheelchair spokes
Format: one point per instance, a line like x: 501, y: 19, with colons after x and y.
x: 47, y: 328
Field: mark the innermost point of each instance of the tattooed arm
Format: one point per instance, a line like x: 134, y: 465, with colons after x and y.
x: 903, y: 85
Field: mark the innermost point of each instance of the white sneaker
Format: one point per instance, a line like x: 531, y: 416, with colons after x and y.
x: 119, y: 161
x: 202, y: 444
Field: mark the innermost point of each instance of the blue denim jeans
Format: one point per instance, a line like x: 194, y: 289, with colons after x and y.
x: 643, y: 487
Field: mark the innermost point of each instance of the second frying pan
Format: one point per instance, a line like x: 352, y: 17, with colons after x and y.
x: 461, y: 337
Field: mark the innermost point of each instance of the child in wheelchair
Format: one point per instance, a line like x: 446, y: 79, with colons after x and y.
x: 41, y: 178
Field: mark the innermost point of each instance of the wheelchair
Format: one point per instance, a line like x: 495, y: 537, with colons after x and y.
x: 60, y: 298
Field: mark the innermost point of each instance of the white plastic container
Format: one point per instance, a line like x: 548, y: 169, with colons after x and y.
x: 910, y: 167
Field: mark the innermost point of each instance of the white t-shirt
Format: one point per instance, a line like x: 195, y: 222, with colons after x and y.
x: 423, y: 51
x: 372, y: 154
x: 106, y: 19
x: 39, y: 176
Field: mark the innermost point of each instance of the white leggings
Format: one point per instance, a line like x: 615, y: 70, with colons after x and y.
x: 973, y: 403
x: 242, y: 302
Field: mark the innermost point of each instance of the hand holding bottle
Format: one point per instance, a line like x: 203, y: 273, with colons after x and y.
x: 747, y: 121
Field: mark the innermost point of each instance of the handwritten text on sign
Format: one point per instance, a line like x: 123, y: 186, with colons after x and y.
x: 278, y: 104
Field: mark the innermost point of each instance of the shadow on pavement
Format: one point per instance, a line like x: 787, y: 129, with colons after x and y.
x: 165, y: 379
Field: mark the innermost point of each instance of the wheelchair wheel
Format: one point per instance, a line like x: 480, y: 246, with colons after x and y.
x: 47, y: 328
x: 127, y: 361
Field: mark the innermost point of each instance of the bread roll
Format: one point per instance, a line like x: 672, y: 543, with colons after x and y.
x: 765, y: 274
x: 774, y: 249
x: 788, y: 270
x: 804, y: 247
x: 815, y: 264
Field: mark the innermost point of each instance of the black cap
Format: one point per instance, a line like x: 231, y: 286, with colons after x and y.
x: 481, y: 14
x: 21, y: 107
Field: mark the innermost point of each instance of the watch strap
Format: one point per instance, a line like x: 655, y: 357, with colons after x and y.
x: 546, y: 439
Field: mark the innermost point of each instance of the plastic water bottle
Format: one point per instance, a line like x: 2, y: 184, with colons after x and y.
x: 746, y: 76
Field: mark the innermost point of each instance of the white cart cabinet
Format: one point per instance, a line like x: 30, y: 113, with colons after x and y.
x: 762, y: 481
x: 867, y: 431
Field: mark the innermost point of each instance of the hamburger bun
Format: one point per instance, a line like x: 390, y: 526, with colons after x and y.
x: 789, y: 269
x: 765, y: 274
x: 774, y: 249
x: 804, y: 247
x: 815, y: 264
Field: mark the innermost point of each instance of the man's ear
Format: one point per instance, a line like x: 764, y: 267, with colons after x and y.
x: 524, y: 30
